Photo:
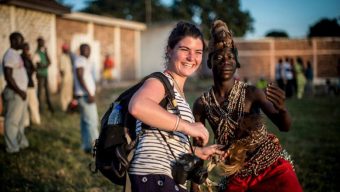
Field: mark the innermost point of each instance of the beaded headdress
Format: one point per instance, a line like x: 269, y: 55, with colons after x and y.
x: 221, y: 40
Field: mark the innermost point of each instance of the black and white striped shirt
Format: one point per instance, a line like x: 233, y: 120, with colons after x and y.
x: 152, y: 155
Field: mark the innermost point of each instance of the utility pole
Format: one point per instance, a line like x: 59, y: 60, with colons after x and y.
x: 148, y: 11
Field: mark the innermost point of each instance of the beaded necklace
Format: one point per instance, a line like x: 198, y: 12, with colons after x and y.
x: 225, y: 117
x: 235, y: 101
x: 229, y: 111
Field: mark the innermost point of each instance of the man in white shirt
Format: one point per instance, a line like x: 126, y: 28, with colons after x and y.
x: 280, y: 74
x: 85, y: 89
x: 15, y: 95
x: 288, y: 78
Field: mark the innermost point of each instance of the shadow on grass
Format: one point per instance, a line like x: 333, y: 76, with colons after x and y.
x: 54, y: 161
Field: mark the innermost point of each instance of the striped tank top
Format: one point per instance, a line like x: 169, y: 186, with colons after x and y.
x: 152, y: 155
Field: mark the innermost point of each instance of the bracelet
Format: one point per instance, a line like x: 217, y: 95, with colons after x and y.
x: 195, y: 149
x: 177, y: 123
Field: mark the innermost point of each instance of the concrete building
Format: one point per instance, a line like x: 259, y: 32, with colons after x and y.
x: 32, y: 18
x: 139, y: 50
x: 119, y: 38
x: 54, y: 22
x: 154, y: 41
x: 257, y: 57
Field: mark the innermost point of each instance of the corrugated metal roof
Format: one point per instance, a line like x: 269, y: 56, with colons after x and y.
x: 49, y: 6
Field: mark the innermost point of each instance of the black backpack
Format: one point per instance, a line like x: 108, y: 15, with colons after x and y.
x: 118, y: 137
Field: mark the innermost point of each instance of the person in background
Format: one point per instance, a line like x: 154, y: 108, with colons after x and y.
x: 108, y: 69
x: 66, y: 74
x: 1, y: 117
x: 167, y: 139
x: 309, y: 73
x: 85, y: 91
x: 261, y: 83
x: 227, y: 105
x: 330, y: 88
x: 33, y: 115
x: 42, y: 62
x: 15, y: 96
x: 288, y: 78
x: 1, y: 106
x: 338, y: 73
x: 1, y: 100
x: 280, y: 74
x: 300, y: 77
x: 246, y: 80
x: 295, y: 86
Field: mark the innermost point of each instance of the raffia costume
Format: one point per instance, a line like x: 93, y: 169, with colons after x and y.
x: 265, y: 162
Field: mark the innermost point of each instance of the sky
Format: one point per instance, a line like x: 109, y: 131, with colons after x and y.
x: 292, y: 16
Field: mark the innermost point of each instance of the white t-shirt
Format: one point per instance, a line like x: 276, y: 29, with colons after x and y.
x: 288, y: 71
x: 12, y: 59
x: 88, y: 67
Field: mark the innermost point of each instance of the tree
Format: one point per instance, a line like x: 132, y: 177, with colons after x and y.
x: 142, y: 11
x: 277, y: 33
x: 201, y: 12
x: 204, y: 12
x: 325, y: 28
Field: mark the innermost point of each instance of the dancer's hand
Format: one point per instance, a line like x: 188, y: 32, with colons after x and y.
x: 225, y: 155
x: 206, y: 153
x: 276, y: 96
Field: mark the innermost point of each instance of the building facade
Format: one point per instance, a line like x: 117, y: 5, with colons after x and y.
x: 32, y: 18
x: 257, y: 57
x: 119, y: 38
x: 54, y: 22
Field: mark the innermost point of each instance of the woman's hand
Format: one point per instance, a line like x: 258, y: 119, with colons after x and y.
x: 276, y: 96
x: 195, y: 130
x: 207, y: 152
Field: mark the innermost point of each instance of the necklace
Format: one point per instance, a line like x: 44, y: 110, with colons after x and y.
x: 176, y: 85
x: 234, y: 102
x: 226, y: 115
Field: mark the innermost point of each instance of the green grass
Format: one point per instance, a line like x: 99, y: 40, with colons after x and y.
x: 54, y: 161
x: 314, y: 142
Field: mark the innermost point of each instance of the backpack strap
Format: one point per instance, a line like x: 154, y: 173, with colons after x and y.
x: 170, y: 95
x: 169, y: 91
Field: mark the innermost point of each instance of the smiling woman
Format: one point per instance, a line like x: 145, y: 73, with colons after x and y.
x: 153, y: 165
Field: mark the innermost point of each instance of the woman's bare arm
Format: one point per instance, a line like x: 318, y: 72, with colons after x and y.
x: 144, y: 105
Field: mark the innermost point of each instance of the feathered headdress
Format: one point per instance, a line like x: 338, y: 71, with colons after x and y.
x: 221, y: 40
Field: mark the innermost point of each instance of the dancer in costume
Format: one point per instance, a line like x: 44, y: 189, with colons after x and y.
x: 254, y: 160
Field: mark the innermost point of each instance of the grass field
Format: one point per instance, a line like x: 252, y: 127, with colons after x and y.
x: 54, y: 161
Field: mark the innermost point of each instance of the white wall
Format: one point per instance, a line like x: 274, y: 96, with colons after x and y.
x: 31, y: 24
x: 153, y: 44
